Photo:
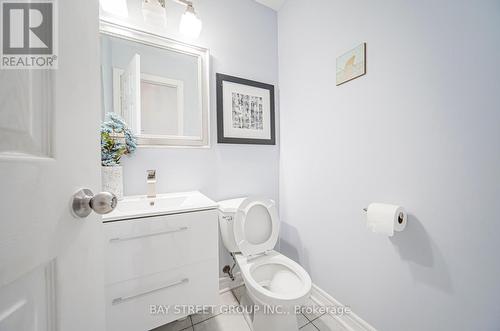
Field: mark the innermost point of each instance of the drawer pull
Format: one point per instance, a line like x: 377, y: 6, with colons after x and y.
x: 123, y: 299
x: 184, y: 228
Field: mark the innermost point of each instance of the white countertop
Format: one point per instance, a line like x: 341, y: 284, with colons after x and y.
x: 163, y: 204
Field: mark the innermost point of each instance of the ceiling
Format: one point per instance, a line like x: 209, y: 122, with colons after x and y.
x: 274, y: 4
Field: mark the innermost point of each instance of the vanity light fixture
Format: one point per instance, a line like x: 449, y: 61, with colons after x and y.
x: 154, y: 12
x: 190, y: 25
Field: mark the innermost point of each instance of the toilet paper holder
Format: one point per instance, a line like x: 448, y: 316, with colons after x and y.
x: 400, y: 216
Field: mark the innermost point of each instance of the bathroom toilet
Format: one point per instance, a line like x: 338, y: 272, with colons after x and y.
x: 276, y: 284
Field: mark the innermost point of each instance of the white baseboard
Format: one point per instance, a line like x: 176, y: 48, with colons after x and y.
x: 350, y: 322
x: 226, y: 284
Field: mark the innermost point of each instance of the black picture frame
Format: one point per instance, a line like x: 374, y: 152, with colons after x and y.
x: 221, y: 139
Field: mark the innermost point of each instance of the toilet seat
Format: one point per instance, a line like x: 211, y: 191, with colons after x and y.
x: 256, y: 226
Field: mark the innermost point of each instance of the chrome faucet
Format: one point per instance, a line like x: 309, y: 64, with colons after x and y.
x: 151, y: 181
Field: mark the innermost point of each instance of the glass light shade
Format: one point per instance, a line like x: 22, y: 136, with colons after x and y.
x: 115, y: 7
x: 154, y: 13
x: 190, y: 24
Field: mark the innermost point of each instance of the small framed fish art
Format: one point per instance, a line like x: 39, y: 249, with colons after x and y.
x: 351, y: 64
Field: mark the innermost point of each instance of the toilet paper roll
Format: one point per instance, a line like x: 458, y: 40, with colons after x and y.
x: 385, y: 219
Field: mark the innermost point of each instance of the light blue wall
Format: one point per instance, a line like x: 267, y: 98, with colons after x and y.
x: 242, y: 38
x: 421, y: 129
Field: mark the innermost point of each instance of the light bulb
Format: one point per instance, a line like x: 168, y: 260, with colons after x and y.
x: 190, y: 23
x: 153, y: 12
x: 115, y: 7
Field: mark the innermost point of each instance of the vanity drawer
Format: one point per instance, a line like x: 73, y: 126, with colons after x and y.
x: 139, y: 247
x: 129, y: 303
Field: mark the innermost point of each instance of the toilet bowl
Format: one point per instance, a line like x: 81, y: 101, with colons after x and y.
x: 276, y: 284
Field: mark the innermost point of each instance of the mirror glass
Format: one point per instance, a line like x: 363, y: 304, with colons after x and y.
x: 158, y: 90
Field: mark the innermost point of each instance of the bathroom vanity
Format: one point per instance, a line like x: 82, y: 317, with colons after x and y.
x: 161, y: 255
x: 161, y: 250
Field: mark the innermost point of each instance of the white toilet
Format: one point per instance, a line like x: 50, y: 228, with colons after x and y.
x: 275, y: 283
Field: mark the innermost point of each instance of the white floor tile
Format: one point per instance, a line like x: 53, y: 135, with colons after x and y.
x: 328, y: 323
x: 309, y: 310
x: 238, y: 292
x: 175, y: 326
x: 223, y: 322
x: 309, y: 327
x: 301, y: 320
x: 226, y: 299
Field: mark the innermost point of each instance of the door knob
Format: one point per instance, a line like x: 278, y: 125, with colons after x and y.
x: 84, y: 201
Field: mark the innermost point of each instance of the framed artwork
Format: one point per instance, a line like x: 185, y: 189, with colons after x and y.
x: 245, y: 111
x: 352, y: 64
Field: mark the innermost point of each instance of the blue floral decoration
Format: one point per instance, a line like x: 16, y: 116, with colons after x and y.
x: 117, y: 139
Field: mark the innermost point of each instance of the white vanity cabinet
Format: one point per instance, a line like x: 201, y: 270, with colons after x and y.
x: 169, y: 260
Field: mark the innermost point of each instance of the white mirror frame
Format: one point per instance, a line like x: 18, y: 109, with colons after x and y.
x: 203, y: 55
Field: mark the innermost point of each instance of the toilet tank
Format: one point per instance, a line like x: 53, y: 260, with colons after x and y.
x: 227, y: 212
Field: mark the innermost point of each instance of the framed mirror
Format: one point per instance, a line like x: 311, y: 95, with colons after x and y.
x: 158, y: 85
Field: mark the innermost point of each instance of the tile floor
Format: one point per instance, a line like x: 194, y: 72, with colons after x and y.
x: 236, y: 322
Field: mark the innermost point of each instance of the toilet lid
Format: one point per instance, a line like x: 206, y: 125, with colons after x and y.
x: 256, y: 226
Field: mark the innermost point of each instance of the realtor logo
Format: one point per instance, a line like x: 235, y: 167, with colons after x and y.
x: 29, y: 34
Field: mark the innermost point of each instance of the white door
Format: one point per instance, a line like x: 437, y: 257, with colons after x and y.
x: 51, y: 267
x: 131, y: 93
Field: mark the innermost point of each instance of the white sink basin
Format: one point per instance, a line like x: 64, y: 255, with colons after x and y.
x: 162, y: 204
